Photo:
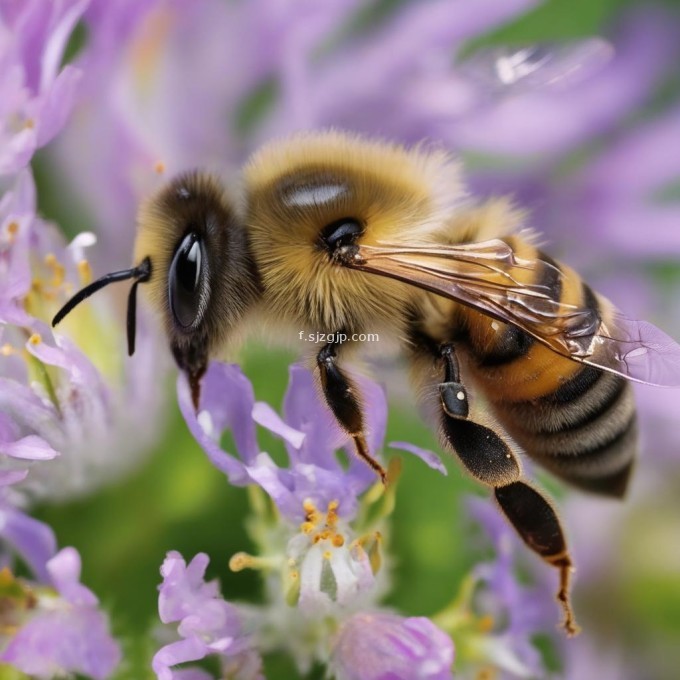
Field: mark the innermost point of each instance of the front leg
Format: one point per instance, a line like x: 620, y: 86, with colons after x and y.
x: 342, y: 398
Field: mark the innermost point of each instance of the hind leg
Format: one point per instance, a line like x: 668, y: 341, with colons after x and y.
x: 489, y: 458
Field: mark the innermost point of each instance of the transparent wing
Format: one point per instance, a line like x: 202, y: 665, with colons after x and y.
x: 512, y: 70
x: 491, y: 278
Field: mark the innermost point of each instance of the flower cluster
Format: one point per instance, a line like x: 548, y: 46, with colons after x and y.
x: 319, y: 535
x: 128, y: 93
x: 65, y: 396
x: 52, y: 625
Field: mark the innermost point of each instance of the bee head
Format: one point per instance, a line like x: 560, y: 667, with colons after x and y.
x: 193, y: 254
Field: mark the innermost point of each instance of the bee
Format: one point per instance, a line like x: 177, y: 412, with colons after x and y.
x: 342, y: 235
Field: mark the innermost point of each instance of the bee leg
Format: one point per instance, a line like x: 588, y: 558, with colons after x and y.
x: 484, y: 453
x: 535, y: 520
x: 343, y: 400
x: 489, y: 459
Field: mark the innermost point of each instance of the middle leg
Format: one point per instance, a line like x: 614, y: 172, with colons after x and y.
x: 343, y: 399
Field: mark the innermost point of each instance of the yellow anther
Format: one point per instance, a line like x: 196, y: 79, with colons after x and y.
x: 327, y: 555
x: 338, y: 541
x: 159, y: 167
x: 308, y: 505
x: 332, y: 514
x: 293, y: 575
x: 35, y: 339
x: 13, y: 228
x: 85, y: 272
x: 307, y: 527
x: 241, y: 561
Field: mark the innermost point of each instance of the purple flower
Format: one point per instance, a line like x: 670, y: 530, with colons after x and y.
x: 37, y: 94
x: 207, y: 624
x: 514, y: 612
x: 53, y: 398
x: 324, y: 548
x: 137, y: 117
x: 309, y: 431
x: 545, y: 123
x: 619, y: 195
x: 413, y: 52
x: 29, y: 538
x: 383, y: 646
x: 60, y: 630
x: 315, y: 494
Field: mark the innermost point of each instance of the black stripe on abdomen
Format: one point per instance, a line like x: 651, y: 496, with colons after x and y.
x: 585, y: 431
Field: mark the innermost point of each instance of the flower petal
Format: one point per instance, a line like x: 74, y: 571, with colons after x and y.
x: 428, y: 457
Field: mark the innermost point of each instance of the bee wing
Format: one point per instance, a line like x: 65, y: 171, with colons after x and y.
x: 491, y: 278
x: 513, y: 70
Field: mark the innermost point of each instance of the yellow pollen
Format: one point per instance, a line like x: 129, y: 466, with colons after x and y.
x: 35, y: 339
x: 327, y: 555
x: 85, y: 272
x: 319, y: 527
x: 159, y: 167
x: 13, y: 228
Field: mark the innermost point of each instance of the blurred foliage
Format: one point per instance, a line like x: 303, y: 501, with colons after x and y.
x: 178, y: 501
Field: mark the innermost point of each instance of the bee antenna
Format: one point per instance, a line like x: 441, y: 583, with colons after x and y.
x: 140, y: 273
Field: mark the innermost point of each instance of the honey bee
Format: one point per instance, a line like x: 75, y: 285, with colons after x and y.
x: 341, y: 235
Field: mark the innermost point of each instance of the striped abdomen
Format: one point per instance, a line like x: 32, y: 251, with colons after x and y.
x: 577, y: 421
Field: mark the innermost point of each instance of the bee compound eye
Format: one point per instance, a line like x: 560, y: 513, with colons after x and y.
x: 186, y: 282
x: 342, y: 232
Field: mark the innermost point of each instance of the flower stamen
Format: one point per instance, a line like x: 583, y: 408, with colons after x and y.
x: 12, y: 230
x: 242, y: 560
x: 325, y: 526
x: 58, y: 270
x: 84, y: 272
